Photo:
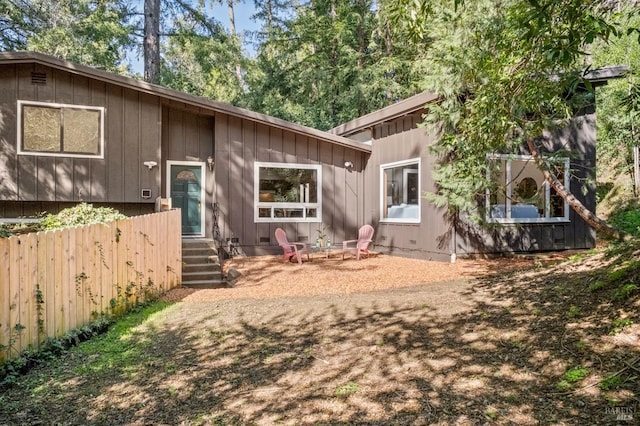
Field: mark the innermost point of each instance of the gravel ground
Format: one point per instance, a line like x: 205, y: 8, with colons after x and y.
x: 266, y: 277
x: 382, y: 341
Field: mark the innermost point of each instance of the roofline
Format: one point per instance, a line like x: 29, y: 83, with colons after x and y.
x: 417, y: 102
x: 604, y: 74
x: 23, y: 57
x: 398, y: 109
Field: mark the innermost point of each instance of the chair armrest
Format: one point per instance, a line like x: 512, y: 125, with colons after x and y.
x: 290, y: 246
x: 347, y: 242
x: 303, y: 245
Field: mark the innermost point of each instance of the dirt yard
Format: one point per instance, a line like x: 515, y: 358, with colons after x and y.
x: 386, y: 341
x: 268, y: 277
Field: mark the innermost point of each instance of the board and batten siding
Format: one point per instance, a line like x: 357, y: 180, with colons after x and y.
x: 132, y: 126
x: 188, y: 135
x: 239, y: 143
x: 579, y: 140
x: 399, y: 140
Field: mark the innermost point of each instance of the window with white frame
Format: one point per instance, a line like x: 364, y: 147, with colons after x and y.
x: 519, y: 193
x: 60, y: 130
x: 400, y: 191
x: 288, y: 192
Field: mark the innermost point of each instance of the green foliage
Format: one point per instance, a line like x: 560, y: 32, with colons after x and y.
x: 623, y: 292
x: 571, y: 377
x: 105, y: 335
x: 50, y: 349
x: 611, y: 382
x: 627, y: 219
x: 200, y: 58
x: 84, y: 31
x: 597, y: 286
x: 332, y: 61
x: 81, y: 214
x: 505, y: 72
x: 574, y: 312
x: 346, y: 389
x: 5, y: 232
x: 619, y: 324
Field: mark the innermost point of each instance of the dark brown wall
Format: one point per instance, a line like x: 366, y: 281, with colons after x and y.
x: 240, y: 143
x: 579, y: 139
x: 399, y: 140
x: 436, y: 237
x: 132, y: 136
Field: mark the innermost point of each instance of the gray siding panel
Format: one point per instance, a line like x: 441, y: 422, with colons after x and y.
x: 98, y: 179
x: 69, y: 182
x: 398, y: 140
x: 131, y: 141
x: 131, y: 132
x: 8, y: 156
x: 239, y: 144
x: 114, y: 146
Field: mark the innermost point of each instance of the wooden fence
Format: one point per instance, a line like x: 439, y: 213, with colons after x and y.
x: 55, y: 281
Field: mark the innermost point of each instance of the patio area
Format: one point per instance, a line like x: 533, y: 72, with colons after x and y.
x: 265, y: 277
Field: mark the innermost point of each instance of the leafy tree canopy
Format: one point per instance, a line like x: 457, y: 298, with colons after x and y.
x: 84, y: 31
x: 505, y: 72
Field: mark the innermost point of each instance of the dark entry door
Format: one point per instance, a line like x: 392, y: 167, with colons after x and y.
x: 186, y: 194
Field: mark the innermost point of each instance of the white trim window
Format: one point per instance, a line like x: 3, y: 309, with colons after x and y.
x: 400, y: 191
x: 287, y: 192
x: 60, y: 130
x: 519, y: 193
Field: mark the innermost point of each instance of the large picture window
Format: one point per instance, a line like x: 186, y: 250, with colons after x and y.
x: 519, y: 193
x: 288, y: 192
x: 400, y: 191
x: 60, y: 130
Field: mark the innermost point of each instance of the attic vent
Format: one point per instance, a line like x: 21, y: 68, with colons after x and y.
x: 38, y: 78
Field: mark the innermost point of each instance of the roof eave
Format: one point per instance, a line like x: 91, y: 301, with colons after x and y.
x: 391, y: 112
x: 165, y: 92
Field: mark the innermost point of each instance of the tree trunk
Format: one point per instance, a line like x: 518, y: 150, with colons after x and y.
x: 151, y: 44
x: 232, y: 29
x: 574, y: 203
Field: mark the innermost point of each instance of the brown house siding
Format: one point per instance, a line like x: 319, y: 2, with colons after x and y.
x: 398, y: 140
x: 579, y: 139
x: 131, y: 132
x: 240, y: 143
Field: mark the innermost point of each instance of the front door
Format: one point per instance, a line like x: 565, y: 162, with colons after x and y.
x: 187, y: 194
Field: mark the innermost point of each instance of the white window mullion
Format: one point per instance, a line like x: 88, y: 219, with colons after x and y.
x: 507, y: 213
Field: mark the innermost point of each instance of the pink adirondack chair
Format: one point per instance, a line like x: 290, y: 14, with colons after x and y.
x: 291, y: 249
x: 361, y: 245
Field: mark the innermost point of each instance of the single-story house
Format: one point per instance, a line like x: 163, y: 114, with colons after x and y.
x: 71, y: 133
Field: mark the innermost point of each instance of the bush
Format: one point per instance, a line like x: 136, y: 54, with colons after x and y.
x: 82, y: 214
x: 627, y: 219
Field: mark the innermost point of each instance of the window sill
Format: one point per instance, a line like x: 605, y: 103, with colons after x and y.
x: 401, y: 221
x: 550, y: 221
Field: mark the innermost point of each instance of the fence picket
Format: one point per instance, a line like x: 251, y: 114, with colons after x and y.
x: 31, y: 260
x: 5, y: 315
x: 15, y: 339
x: 53, y: 281
x: 65, y: 280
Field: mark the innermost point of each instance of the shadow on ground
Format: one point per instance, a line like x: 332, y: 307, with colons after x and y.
x: 499, y: 355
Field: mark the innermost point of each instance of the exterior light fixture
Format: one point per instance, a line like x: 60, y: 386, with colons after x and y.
x: 150, y: 164
x: 210, y: 163
x: 348, y: 164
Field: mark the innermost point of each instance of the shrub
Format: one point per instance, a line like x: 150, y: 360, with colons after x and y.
x: 82, y: 214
